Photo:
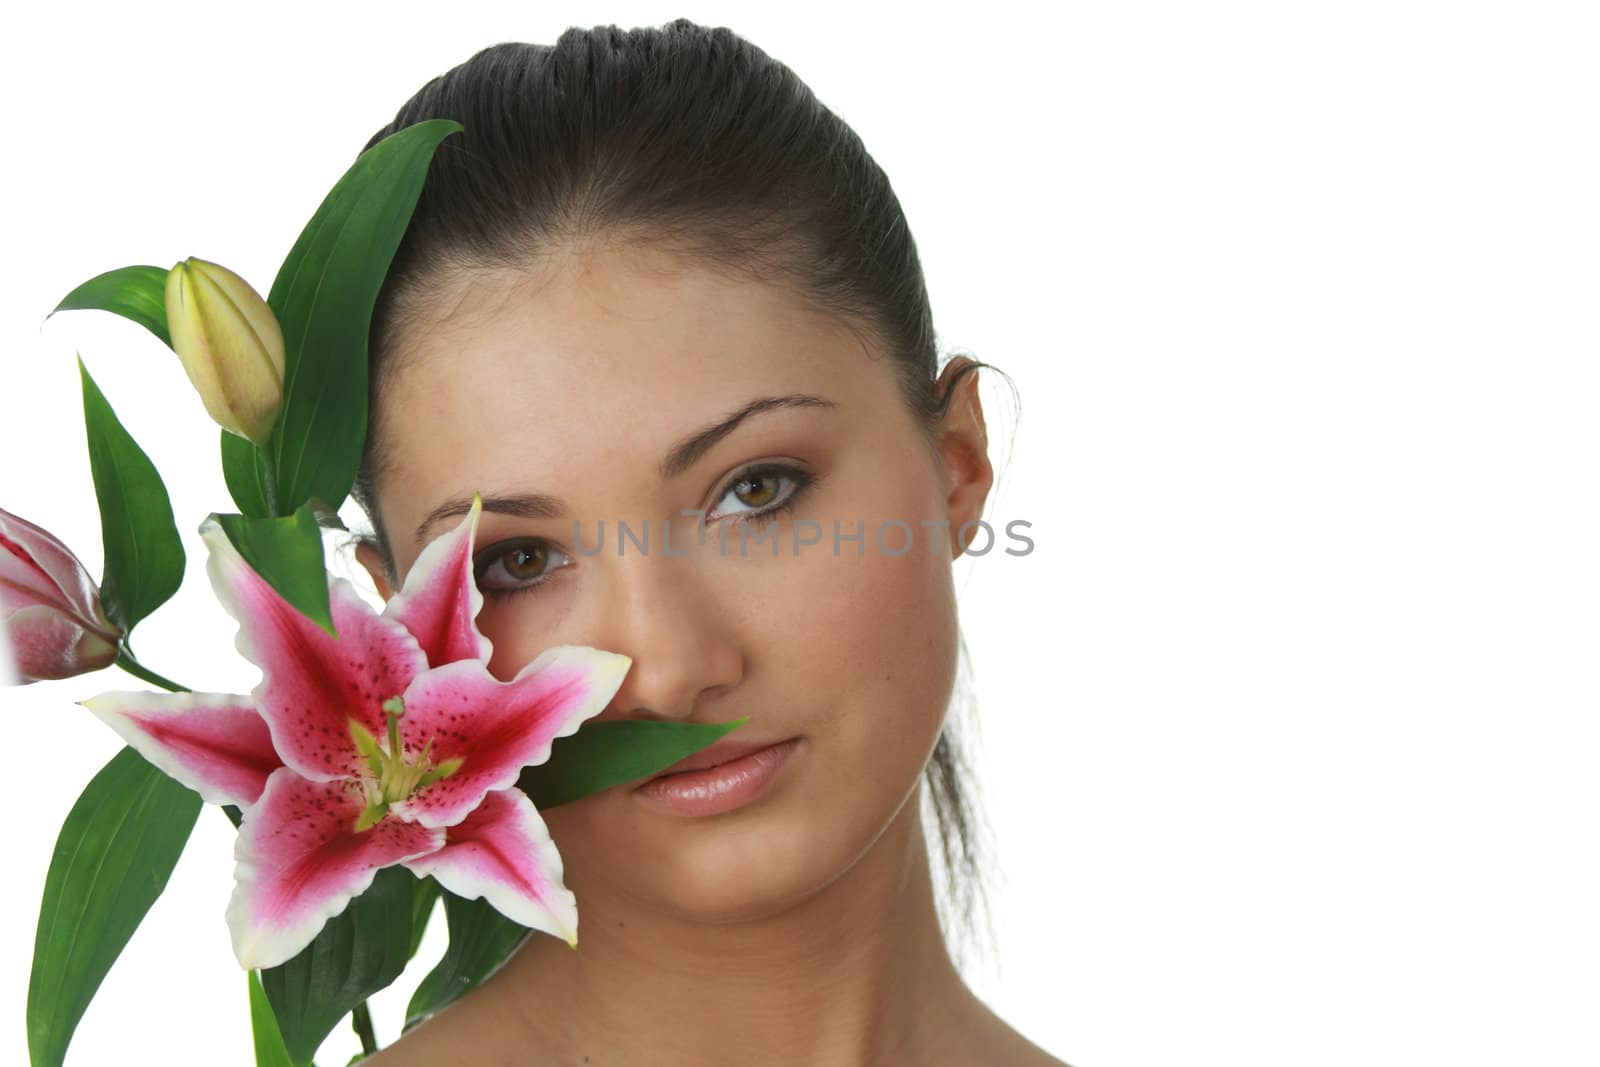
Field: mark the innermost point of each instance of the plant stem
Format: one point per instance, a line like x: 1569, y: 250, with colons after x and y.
x: 269, y: 478
x: 361, y: 1022
x: 126, y: 661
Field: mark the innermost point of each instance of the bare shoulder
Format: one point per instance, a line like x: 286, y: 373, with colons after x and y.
x: 411, y: 1050
x: 436, y: 1041
x: 980, y: 1038
x: 1024, y: 1053
x: 998, y: 1044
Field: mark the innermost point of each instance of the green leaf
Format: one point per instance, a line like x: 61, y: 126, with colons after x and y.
x: 604, y: 754
x: 241, y: 470
x: 144, y: 556
x: 423, y: 897
x: 360, y: 951
x: 112, y: 860
x: 287, y: 553
x: 137, y: 293
x: 270, y: 1050
x: 323, y: 298
x: 480, y: 940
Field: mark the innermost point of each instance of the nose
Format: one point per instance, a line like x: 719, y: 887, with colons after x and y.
x: 684, y: 649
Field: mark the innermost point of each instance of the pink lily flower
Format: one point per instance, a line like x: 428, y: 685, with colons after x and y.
x: 50, y: 613
x: 390, y: 744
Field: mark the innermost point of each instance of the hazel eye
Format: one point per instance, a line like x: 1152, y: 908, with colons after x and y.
x: 763, y: 487
x: 523, y: 563
x: 761, y: 491
x: 514, y: 566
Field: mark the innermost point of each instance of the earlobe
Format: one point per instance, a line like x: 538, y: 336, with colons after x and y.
x: 964, y: 449
x: 370, y: 559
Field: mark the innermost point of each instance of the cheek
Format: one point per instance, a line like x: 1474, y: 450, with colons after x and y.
x: 879, y: 642
x: 521, y: 627
x: 878, y: 624
x: 858, y: 655
x: 856, y: 652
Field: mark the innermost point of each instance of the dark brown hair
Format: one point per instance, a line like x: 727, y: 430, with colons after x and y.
x: 696, y: 141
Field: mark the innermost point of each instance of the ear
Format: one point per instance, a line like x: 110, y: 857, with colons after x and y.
x: 964, y: 449
x: 369, y: 558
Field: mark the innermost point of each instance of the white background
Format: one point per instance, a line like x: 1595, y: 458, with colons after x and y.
x: 1289, y: 721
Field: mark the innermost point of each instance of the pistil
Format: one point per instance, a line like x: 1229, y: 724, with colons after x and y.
x: 393, y: 778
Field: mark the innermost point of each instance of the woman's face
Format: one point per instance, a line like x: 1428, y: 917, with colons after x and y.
x: 576, y: 383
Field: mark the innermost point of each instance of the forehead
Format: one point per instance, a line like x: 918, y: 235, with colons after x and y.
x: 625, y: 307
x: 599, y: 358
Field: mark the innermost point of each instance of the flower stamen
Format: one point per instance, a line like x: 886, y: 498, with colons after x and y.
x: 393, y: 777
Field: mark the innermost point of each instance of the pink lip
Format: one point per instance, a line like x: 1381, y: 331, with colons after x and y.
x: 721, y: 788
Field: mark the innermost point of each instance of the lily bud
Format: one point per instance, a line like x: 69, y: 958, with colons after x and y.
x: 50, y: 611
x: 230, y: 345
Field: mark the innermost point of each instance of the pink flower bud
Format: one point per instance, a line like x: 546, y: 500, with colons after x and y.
x: 50, y: 611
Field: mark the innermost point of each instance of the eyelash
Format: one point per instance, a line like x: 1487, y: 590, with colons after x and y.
x: 801, y: 480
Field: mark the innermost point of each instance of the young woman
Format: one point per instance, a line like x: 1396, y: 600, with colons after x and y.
x: 662, y: 310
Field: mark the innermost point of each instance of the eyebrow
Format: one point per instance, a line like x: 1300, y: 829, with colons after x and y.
x: 679, y: 458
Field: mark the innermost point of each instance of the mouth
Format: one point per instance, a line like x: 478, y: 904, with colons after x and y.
x: 745, y: 773
x: 714, y: 756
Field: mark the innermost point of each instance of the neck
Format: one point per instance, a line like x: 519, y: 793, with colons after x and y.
x: 855, y: 974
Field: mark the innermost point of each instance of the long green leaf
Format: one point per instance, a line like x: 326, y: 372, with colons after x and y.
x: 287, y: 553
x: 605, y: 754
x: 242, y: 473
x: 424, y: 896
x: 480, y: 940
x: 143, y: 553
x: 270, y: 1050
x: 360, y: 951
x: 136, y: 293
x: 323, y: 298
x: 112, y: 860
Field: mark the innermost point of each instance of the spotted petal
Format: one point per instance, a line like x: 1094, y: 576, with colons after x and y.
x: 300, y: 862
x: 497, y: 728
x: 503, y: 852
x: 313, y: 684
x: 215, y: 743
x: 439, y: 601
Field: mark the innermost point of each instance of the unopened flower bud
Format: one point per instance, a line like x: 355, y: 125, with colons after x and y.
x: 50, y: 613
x: 230, y: 345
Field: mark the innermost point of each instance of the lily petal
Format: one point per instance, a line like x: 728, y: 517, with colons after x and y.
x: 313, y: 684
x: 497, y: 728
x: 300, y: 862
x: 503, y: 852
x: 48, y: 644
x: 23, y: 580
x: 439, y: 601
x: 33, y: 559
x: 215, y: 743
x: 10, y: 669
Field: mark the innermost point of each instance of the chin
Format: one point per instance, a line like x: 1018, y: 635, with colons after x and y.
x: 739, y: 872
x: 741, y: 866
